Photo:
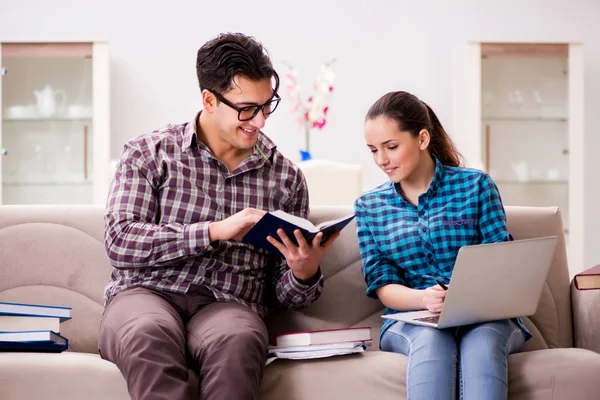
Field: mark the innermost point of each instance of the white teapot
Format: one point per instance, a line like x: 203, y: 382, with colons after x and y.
x: 47, y: 101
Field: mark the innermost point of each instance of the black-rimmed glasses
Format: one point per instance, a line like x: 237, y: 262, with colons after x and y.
x: 246, y: 113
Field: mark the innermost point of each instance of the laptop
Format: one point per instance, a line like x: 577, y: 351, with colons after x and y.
x: 491, y: 282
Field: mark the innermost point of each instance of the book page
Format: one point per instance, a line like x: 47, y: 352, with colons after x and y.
x: 325, y: 224
x: 301, y: 222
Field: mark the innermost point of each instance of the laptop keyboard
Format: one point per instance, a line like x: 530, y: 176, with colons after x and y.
x: 433, y: 319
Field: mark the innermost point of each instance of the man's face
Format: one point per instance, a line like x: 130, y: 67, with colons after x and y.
x: 242, y: 135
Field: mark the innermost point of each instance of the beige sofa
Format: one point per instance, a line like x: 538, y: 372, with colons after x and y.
x: 55, y: 255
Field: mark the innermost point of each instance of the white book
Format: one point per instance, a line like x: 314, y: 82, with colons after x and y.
x: 319, y: 347
x: 13, y: 323
x: 317, y: 351
x: 324, y: 336
x: 32, y: 336
x: 35, y: 310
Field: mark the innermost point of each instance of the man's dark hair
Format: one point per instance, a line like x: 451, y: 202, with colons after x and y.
x: 229, y: 54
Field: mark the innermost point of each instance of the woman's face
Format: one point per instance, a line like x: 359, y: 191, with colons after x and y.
x: 396, y: 152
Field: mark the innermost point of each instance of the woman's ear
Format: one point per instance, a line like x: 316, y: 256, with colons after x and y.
x: 424, y: 139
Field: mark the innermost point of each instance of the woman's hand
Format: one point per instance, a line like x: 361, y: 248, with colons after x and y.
x: 433, y: 298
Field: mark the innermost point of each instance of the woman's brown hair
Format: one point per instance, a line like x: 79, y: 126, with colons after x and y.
x: 413, y: 115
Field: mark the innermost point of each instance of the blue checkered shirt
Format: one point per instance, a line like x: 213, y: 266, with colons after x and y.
x: 409, y: 245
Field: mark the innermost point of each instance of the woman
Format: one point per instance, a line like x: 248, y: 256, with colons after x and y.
x: 409, y: 232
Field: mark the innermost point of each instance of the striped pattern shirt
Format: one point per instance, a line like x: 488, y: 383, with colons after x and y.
x: 409, y: 245
x: 168, y: 187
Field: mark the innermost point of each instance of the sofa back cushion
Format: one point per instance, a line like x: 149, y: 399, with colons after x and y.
x: 344, y: 303
x: 552, y: 324
x: 55, y: 255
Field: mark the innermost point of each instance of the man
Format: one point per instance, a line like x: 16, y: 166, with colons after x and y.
x: 185, y: 290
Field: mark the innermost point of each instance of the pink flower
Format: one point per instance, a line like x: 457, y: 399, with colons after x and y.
x: 312, y: 113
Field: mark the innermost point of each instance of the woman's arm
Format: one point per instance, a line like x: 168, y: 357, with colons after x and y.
x: 402, y: 298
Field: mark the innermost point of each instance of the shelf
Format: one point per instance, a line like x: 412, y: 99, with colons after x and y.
x: 524, y: 119
x: 532, y: 182
x: 49, y: 183
x: 52, y: 119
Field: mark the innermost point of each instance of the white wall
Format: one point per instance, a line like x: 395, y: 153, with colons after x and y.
x: 380, y: 45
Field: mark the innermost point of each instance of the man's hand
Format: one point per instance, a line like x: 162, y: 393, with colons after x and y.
x: 433, y: 298
x: 236, y: 226
x: 303, y: 259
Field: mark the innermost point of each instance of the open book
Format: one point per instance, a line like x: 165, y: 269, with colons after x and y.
x: 271, y: 221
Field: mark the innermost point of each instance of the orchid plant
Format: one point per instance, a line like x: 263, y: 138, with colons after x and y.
x: 312, y: 113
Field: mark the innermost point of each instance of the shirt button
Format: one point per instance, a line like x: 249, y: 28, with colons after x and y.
x: 297, y: 299
x: 429, y: 257
x: 421, y: 213
x: 424, y: 229
x: 227, y: 209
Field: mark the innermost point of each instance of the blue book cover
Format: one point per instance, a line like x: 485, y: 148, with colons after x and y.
x: 272, y: 221
x: 35, y: 310
x: 33, y: 347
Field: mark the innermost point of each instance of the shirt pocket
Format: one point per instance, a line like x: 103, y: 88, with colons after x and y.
x: 458, y: 222
x: 456, y: 232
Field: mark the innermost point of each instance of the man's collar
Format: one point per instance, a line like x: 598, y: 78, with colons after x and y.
x: 263, y: 148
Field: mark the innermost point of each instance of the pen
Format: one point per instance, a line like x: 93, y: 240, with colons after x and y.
x: 442, y: 284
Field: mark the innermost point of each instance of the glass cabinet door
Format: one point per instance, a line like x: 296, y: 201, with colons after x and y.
x: 524, y: 103
x: 47, y: 121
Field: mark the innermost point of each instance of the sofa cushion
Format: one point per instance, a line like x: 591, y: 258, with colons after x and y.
x: 569, y: 374
x: 60, y: 376
x: 559, y: 374
x: 370, y: 375
x: 67, y: 375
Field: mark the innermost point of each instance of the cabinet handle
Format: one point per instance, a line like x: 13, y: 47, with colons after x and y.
x: 3, y: 71
x: 487, y: 148
x: 85, y: 151
x: 3, y: 152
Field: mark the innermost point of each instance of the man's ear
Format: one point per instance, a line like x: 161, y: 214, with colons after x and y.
x: 424, y: 139
x: 209, y: 101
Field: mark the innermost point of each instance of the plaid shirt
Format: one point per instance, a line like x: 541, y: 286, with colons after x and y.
x: 168, y: 188
x: 401, y: 243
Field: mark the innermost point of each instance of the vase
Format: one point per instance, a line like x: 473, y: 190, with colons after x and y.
x: 305, y: 155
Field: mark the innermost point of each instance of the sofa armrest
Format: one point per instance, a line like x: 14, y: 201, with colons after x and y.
x: 586, y: 318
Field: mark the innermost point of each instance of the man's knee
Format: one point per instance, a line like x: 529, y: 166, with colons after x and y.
x: 143, y: 332
x: 242, y: 336
x: 242, y: 330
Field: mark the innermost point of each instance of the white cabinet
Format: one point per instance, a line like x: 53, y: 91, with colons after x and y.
x: 518, y: 115
x: 525, y: 125
x: 54, y: 136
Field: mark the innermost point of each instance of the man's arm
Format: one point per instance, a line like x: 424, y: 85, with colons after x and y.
x: 289, y: 290
x: 133, y: 239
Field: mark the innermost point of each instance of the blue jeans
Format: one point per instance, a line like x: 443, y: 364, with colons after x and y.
x: 474, y: 355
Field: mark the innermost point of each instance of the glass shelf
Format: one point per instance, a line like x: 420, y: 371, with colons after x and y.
x: 48, y: 183
x: 524, y: 119
x: 52, y: 119
x: 532, y: 182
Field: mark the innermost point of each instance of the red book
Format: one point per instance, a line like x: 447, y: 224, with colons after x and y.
x: 588, y: 279
x: 326, y: 336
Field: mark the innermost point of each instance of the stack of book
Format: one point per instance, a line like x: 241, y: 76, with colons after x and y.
x: 320, y: 344
x: 32, y: 327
